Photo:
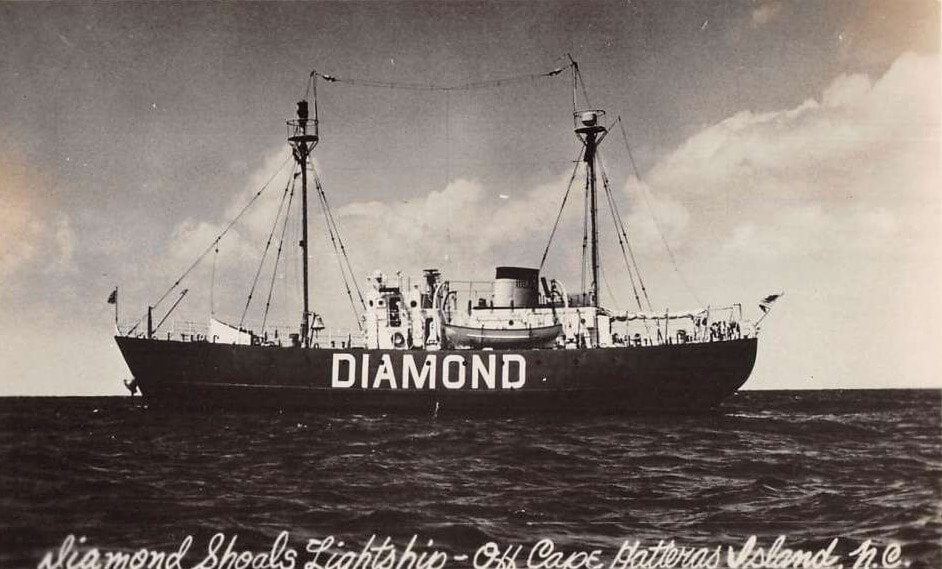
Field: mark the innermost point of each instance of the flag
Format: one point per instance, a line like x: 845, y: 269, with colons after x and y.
x: 766, y: 303
x: 113, y: 297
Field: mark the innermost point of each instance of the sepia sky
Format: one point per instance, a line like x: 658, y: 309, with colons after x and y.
x: 783, y: 146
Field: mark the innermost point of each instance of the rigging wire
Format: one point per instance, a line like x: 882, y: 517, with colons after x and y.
x: 281, y: 243
x: 657, y: 226
x: 340, y: 252
x: 333, y: 229
x: 212, y: 283
x: 328, y: 78
x: 296, y: 233
x: 621, y: 244
x: 433, y: 87
x: 215, y: 241
x: 330, y: 215
x: 623, y: 241
x: 576, y: 82
x: 223, y: 233
x: 261, y: 262
x: 562, y: 206
x: 608, y: 288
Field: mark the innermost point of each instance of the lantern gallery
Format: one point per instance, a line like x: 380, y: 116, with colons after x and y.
x: 404, y: 370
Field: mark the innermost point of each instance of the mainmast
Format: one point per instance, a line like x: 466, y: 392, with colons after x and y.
x: 591, y: 133
x: 302, y: 136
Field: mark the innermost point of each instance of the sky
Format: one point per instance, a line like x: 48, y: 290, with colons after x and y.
x: 781, y: 146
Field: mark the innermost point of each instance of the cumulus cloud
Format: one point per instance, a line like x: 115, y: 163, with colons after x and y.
x: 862, y: 157
x: 835, y: 200
x: 464, y: 229
x: 192, y: 236
x: 863, y: 146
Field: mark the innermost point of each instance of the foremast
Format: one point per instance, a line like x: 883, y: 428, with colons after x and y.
x: 591, y: 133
x: 302, y: 136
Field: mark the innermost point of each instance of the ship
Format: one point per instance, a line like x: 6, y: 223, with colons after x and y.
x: 517, y: 344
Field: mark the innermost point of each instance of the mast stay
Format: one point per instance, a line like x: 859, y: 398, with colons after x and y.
x: 303, y: 136
x: 213, y: 245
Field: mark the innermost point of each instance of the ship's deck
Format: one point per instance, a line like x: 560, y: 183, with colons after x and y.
x: 346, y: 338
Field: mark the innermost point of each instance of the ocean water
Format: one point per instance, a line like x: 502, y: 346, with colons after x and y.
x: 812, y: 466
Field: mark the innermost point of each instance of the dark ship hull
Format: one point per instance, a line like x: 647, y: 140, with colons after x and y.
x: 678, y: 377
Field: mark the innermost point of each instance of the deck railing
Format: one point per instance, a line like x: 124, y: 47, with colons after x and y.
x: 636, y: 335
x: 278, y: 335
